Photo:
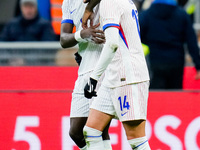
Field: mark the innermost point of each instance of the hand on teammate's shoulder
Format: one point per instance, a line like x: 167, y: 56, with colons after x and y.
x: 93, y: 34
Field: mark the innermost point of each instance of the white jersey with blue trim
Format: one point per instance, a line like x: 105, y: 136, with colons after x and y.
x: 128, y: 65
x: 72, y: 13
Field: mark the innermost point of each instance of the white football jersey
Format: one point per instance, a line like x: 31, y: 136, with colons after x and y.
x: 72, y: 13
x: 128, y: 65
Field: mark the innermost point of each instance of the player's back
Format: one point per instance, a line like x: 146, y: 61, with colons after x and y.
x: 129, y: 64
x: 129, y: 25
x: 72, y: 13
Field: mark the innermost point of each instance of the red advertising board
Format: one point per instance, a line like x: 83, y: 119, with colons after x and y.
x: 174, y: 120
x: 60, y: 78
x: 40, y: 121
x: 35, y: 107
x: 37, y: 78
x: 189, y: 82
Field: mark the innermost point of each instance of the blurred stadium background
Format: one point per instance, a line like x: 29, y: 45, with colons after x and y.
x: 37, y: 79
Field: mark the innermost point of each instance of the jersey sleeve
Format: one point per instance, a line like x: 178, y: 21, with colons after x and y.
x: 110, y: 14
x: 66, y: 14
x: 108, y: 52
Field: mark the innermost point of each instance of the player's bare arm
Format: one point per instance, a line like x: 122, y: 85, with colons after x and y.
x: 67, y: 38
x: 88, y: 14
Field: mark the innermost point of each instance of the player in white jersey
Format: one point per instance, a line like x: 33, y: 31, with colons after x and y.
x: 86, y: 39
x: 124, y: 91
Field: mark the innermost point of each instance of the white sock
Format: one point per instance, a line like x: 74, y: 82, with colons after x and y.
x: 84, y: 148
x: 107, y: 145
x: 93, y: 138
x: 139, y: 143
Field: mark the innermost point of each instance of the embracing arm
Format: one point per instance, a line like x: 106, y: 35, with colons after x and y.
x: 67, y: 37
x: 91, y: 4
x: 88, y: 14
x: 110, y: 22
x: 108, y: 52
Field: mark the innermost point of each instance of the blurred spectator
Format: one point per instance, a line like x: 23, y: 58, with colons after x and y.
x: 146, y: 4
x: 6, y: 15
x: 29, y: 26
x: 182, y: 2
x: 165, y: 28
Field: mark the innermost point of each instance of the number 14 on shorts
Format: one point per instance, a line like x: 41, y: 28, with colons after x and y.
x: 123, y: 104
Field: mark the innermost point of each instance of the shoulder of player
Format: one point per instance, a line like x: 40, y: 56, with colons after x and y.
x: 111, y: 4
x: 72, y: 5
x: 67, y: 4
